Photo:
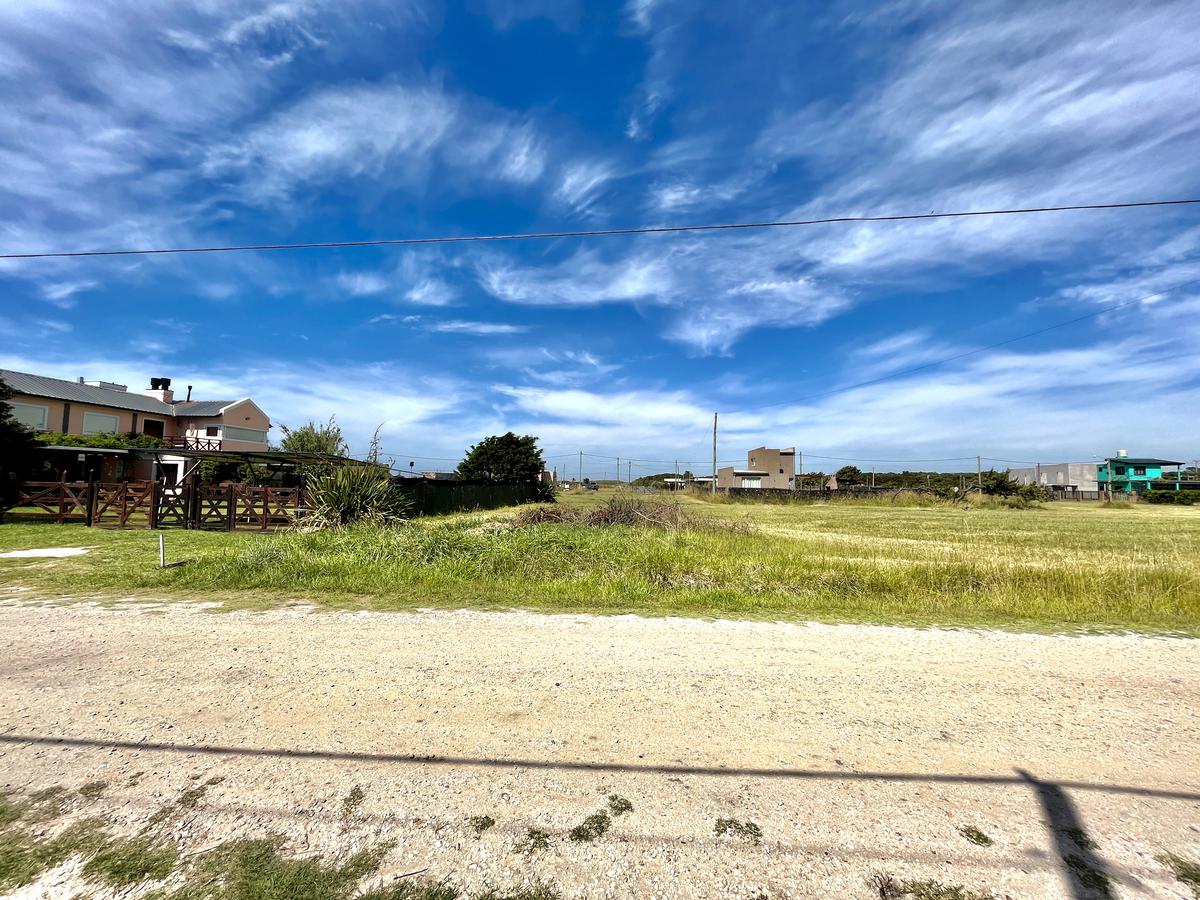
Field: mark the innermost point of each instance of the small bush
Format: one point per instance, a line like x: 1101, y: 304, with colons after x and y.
x: 354, y: 494
x: 662, y: 514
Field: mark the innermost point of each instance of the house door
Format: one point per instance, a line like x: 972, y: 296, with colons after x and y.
x: 152, y: 427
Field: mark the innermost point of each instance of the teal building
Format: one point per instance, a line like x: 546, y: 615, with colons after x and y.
x: 1128, y: 474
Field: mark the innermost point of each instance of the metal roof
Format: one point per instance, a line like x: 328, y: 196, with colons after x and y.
x: 59, y: 389
x: 1139, y: 461
x: 202, y: 407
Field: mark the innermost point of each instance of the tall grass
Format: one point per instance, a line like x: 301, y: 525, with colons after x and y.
x: 1058, y: 566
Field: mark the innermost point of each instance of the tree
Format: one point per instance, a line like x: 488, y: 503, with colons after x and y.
x: 313, y: 438
x: 504, y: 458
x: 849, y: 475
x: 999, y: 484
x: 18, y: 452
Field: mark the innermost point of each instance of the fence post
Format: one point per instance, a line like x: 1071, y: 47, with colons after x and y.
x: 91, y: 503
x: 155, y: 497
x: 231, y: 519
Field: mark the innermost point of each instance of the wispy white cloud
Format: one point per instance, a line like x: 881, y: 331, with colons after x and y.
x: 362, y: 284
x: 581, y: 184
x: 450, y: 326
x: 392, y: 134
x: 583, y: 279
x: 462, y: 326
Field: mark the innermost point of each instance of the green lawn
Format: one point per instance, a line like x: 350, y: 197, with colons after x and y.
x: 1059, y: 567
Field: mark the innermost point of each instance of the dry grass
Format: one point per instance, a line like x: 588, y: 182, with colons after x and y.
x: 1063, y: 566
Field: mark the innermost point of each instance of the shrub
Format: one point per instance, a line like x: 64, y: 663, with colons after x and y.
x: 662, y: 514
x: 351, y: 494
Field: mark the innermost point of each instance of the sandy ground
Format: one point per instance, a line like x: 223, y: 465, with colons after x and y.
x: 857, y: 750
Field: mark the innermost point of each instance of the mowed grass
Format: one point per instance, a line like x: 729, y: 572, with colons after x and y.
x: 1063, y: 566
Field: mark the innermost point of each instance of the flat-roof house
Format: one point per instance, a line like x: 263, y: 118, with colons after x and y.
x: 103, y: 407
x: 1128, y: 474
x: 765, y: 468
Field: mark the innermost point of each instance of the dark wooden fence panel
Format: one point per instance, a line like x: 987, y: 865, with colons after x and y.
x: 58, y: 501
x: 431, y: 497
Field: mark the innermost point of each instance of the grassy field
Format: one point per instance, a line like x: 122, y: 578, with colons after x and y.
x: 1062, y: 566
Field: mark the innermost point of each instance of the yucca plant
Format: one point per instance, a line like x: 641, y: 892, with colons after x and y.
x: 352, y: 494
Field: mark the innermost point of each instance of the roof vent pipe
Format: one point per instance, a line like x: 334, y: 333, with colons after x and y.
x: 189, y: 396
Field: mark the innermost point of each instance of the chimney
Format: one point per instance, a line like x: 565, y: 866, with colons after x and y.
x: 189, y: 396
x: 160, y: 389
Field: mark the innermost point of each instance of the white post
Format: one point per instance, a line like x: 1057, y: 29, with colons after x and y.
x: 162, y: 553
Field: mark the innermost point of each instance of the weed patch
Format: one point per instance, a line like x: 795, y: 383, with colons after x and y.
x: 592, y: 827
x: 120, y: 863
x: 618, y: 806
x: 975, y: 836
x: 92, y: 789
x: 1089, y: 876
x: 353, y: 800
x: 889, y: 888
x: 23, y: 858
x: 255, y: 870
x: 1185, y: 870
x: 480, y: 824
x: 1079, y: 838
x: 533, y: 840
x: 746, y: 830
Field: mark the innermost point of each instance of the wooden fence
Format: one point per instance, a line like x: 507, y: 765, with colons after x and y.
x: 431, y: 497
x: 147, y: 504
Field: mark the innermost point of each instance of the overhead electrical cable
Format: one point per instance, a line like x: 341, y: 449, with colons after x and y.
x: 604, y: 232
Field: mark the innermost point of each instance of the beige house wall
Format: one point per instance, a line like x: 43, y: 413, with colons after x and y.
x: 243, y: 415
x: 780, y: 466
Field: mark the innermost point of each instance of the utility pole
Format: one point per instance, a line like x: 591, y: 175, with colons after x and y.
x: 800, y: 462
x: 979, y: 471
x: 872, y: 478
x: 714, y: 480
x: 581, y: 467
x: 629, y: 471
x: 618, y: 468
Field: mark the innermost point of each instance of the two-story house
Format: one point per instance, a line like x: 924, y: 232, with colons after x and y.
x: 103, y: 407
x: 765, y: 468
x: 1127, y: 474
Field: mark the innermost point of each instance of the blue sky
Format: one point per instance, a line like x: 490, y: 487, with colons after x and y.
x: 173, y: 123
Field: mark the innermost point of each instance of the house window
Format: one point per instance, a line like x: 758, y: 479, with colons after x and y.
x: 1139, y: 470
x: 212, y: 431
x: 31, y: 415
x: 1120, y: 470
x: 781, y: 470
x: 100, y: 423
x: 237, y: 433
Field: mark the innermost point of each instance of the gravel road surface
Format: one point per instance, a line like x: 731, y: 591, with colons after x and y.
x: 856, y: 750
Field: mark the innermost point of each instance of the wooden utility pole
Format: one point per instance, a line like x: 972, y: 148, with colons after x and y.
x: 618, y: 468
x: 629, y: 471
x: 714, y: 480
x: 800, y: 474
x: 979, y: 471
x: 581, y: 467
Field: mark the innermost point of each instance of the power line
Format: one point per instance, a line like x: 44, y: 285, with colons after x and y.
x: 983, y: 349
x: 607, y: 232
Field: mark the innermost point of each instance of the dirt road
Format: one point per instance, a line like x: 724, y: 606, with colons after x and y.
x: 855, y: 750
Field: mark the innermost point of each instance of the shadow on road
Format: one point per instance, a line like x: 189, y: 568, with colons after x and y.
x: 1086, y: 874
